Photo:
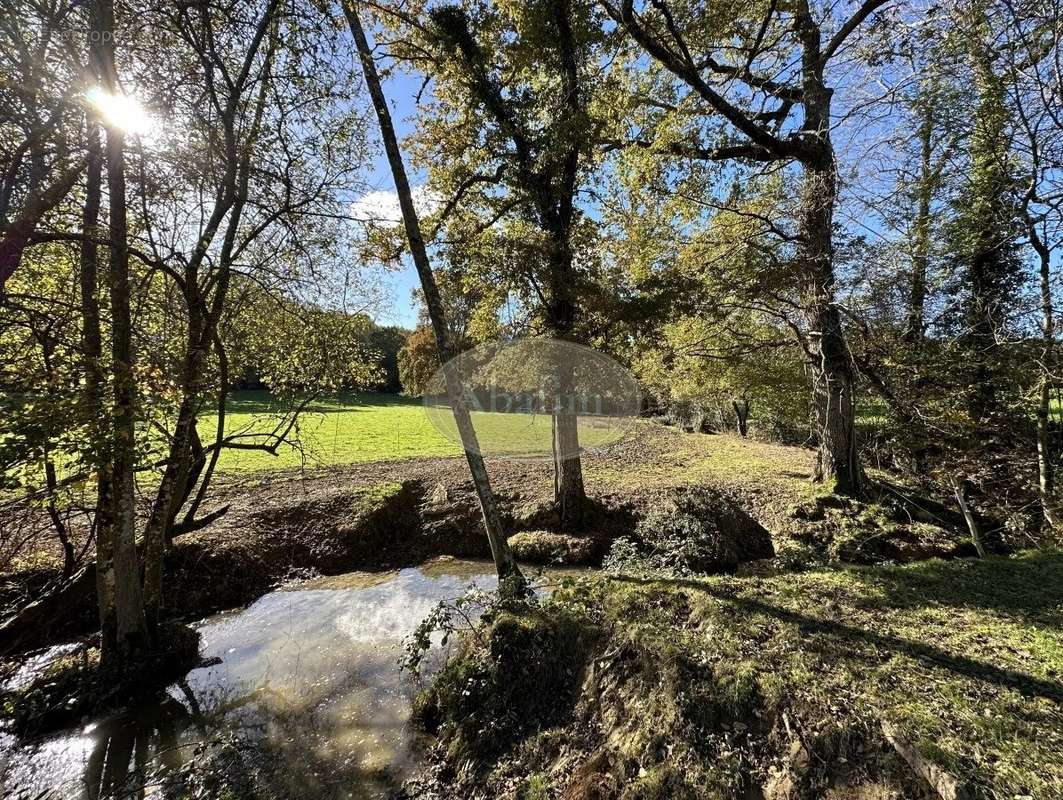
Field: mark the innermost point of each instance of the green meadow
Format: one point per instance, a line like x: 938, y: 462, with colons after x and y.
x: 352, y: 428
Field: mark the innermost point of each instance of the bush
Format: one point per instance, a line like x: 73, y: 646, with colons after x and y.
x: 690, y: 533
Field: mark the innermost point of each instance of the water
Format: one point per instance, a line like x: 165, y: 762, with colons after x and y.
x: 305, y: 699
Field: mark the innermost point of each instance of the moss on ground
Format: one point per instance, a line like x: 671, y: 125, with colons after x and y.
x: 544, y: 547
x: 370, y: 498
x: 721, y: 686
x: 686, y: 532
x: 810, y: 526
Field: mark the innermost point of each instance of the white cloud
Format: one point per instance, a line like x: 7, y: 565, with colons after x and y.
x: 382, y: 207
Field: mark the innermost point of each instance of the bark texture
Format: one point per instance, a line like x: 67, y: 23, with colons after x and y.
x: 830, y: 363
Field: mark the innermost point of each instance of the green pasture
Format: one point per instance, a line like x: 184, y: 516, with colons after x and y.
x: 354, y: 428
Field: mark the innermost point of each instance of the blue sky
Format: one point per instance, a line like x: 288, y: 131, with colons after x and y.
x: 400, y: 90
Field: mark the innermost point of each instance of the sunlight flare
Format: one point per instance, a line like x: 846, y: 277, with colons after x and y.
x: 121, y: 111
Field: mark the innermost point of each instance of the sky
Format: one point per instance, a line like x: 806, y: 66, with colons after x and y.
x: 381, y: 202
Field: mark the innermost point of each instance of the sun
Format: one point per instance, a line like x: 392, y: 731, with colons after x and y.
x: 121, y: 111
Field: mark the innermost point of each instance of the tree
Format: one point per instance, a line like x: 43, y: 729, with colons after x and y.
x: 693, y: 46
x: 241, y: 100
x: 124, y: 631
x: 722, y: 343
x: 985, y: 233
x: 1031, y: 37
x: 935, y: 143
x: 510, y: 579
x: 40, y: 163
x: 418, y: 360
x: 538, y: 131
x: 388, y: 341
x: 725, y: 370
x: 194, y: 210
x: 907, y: 190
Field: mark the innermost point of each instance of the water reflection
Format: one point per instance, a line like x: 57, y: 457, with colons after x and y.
x: 304, y: 699
x: 128, y: 754
x: 123, y: 747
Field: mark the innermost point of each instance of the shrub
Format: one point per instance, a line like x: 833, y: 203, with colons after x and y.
x: 690, y: 533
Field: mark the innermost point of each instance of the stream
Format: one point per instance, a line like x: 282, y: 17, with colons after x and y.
x: 302, y: 697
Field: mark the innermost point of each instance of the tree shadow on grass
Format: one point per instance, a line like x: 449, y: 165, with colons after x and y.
x: 842, y: 640
x: 1028, y: 586
x: 802, y: 475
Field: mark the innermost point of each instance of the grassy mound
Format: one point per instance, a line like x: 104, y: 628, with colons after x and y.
x: 518, y: 675
x: 685, y: 532
x: 849, y: 683
x: 544, y: 547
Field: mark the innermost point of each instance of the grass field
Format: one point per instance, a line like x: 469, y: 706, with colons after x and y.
x: 344, y: 429
x: 355, y: 428
x: 961, y: 659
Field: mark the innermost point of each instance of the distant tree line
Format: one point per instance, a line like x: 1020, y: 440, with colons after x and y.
x: 382, y: 345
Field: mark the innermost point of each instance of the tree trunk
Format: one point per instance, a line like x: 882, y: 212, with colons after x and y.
x: 1045, y: 471
x: 741, y: 409
x: 988, y: 216
x: 130, y: 633
x: 510, y: 578
x: 960, y: 490
x: 208, y: 468
x: 203, y: 318
x: 570, y: 496
x: 15, y: 237
x: 95, y: 410
x: 192, y: 469
x: 833, y: 380
x: 915, y: 324
x: 69, y: 557
x: 979, y: 338
x: 157, y: 534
